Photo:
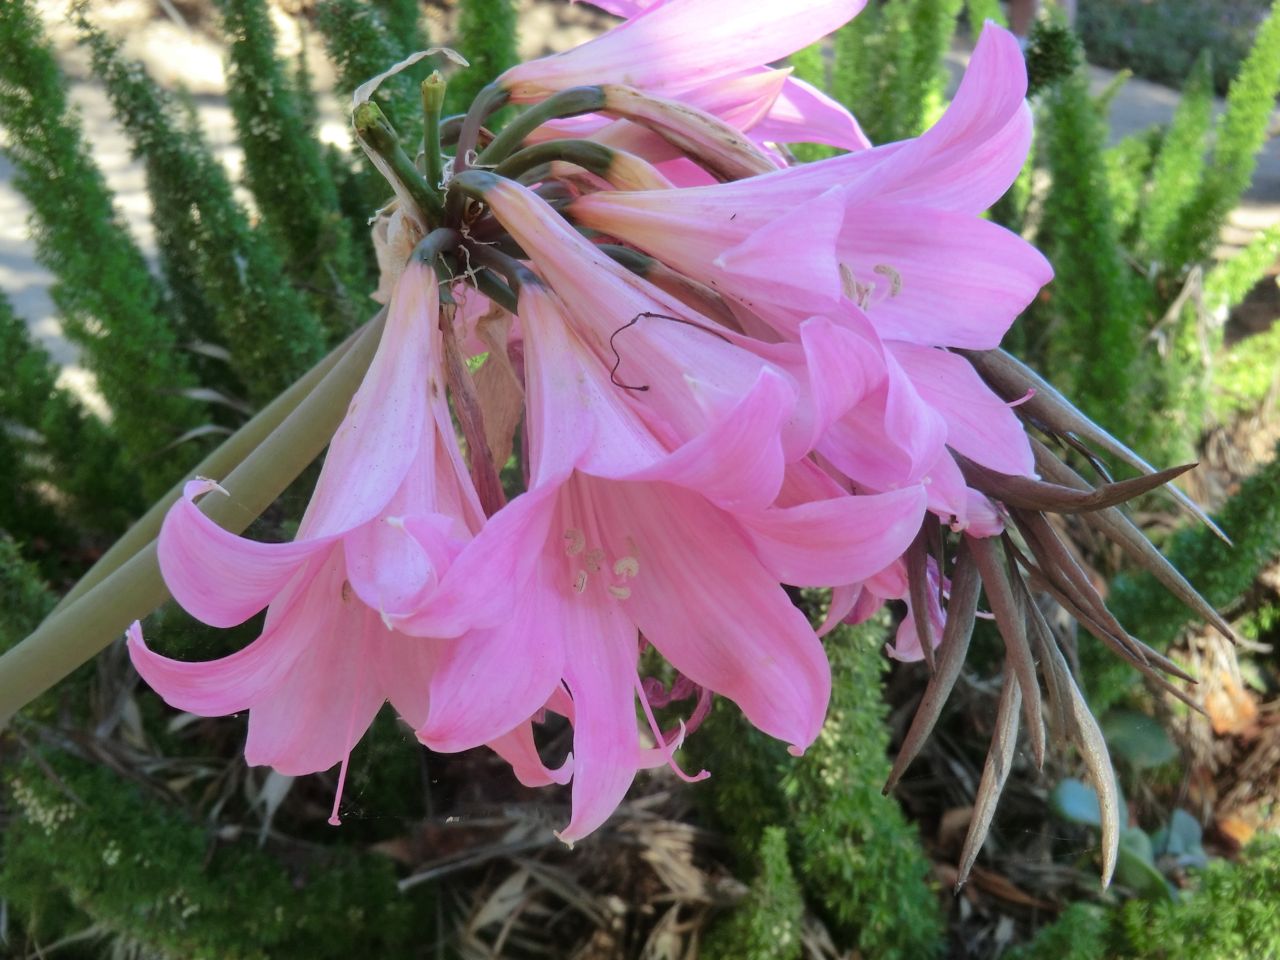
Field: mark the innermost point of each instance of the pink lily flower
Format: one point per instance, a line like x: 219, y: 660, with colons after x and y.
x: 394, y: 457
x: 631, y: 440
x: 681, y: 44
x: 799, y: 113
x: 392, y: 507
x: 893, y: 228
x: 929, y: 402
x: 619, y: 544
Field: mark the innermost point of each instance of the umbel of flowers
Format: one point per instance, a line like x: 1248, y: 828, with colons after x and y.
x: 726, y: 373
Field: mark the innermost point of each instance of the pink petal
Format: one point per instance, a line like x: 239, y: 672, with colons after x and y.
x: 984, y: 134
x: 983, y: 519
x: 906, y: 643
x: 236, y: 682
x: 623, y: 8
x: 791, y: 259
x: 518, y: 749
x: 979, y: 424
x: 705, y: 601
x: 575, y: 416
x: 968, y: 159
x: 322, y: 707
x: 374, y: 447
x: 217, y: 577
x: 843, y: 600
x: 682, y: 43
x: 889, y: 440
x: 403, y: 668
x: 489, y: 681
x: 948, y: 493
x: 394, y: 563
x: 639, y: 370
x: 843, y: 364
x: 942, y: 279
x: 843, y: 540
x: 804, y: 114
x: 481, y: 587
x: 600, y: 671
x: 741, y: 100
x: 738, y: 463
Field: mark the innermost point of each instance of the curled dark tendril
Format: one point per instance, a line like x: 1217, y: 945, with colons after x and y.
x: 617, y: 357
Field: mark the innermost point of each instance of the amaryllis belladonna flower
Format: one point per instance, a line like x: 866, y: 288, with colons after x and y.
x: 728, y: 376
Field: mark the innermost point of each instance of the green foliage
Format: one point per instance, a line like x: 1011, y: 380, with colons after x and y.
x: 1122, y: 326
x: 52, y: 449
x: 854, y: 851
x: 404, y: 20
x: 1079, y: 934
x: 486, y: 36
x: 1229, y: 914
x: 857, y: 859
x: 1053, y: 54
x: 362, y: 45
x: 230, y: 276
x: 127, y: 862
x: 1221, y: 572
x: 1179, y: 168
x: 978, y: 12
x: 1240, y: 134
x: 285, y: 169
x: 1245, y: 372
x: 888, y: 65
x: 1229, y: 282
x: 1160, y: 41
x: 767, y: 924
x: 1129, y: 165
x: 108, y: 300
x: 1091, y: 326
x: 25, y: 599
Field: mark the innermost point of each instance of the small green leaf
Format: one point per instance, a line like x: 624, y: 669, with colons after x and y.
x: 1138, y: 739
x: 1077, y: 802
x: 1136, y: 867
x: 1181, y: 840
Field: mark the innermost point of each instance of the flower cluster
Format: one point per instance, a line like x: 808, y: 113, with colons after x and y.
x: 728, y: 374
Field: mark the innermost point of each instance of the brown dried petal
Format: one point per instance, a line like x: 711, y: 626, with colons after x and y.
x: 1011, y: 621
x: 1011, y: 378
x: 1037, y: 495
x: 995, y: 772
x: 965, y: 586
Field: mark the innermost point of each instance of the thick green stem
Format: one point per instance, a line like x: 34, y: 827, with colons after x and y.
x: 487, y: 102
x: 595, y: 157
x: 511, y: 269
x: 497, y: 291
x: 65, y: 641
x: 433, y: 89
x: 567, y: 103
x: 373, y: 129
